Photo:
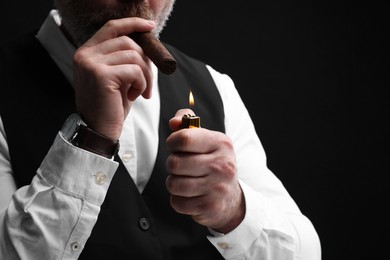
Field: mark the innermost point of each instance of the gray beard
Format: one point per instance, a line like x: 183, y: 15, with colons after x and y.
x: 81, y: 21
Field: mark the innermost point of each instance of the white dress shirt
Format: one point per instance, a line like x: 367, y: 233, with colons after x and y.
x: 53, y: 217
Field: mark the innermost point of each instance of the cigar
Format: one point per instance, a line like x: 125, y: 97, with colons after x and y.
x: 156, y: 51
x: 190, y: 121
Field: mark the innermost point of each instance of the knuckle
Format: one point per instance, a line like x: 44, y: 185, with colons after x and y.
x: 225, y: 166
x: 225, y: 142
x: 206, y: 207
x: 138, y: 71
x: 124, y: 42
x: 172, y: 163
x: 219, y: 188
x: 109, y: 25
x: 186, y: 139
x: 80, y: 56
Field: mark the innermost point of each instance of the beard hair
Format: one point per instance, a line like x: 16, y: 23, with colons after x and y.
x: 81, y: 19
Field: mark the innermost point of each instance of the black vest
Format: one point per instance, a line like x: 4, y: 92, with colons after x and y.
x: 130, y: 225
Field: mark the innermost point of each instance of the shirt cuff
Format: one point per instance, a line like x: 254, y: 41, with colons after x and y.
x: 76, y: 171
x: 238, y: 241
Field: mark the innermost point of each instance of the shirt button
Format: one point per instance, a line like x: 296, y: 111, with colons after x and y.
x: 75, y: 246
x: 100, y: 178
x: 144, y: 223
x: 223, y: 245
x: 127, y: 156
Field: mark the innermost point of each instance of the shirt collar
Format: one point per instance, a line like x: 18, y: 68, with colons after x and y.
x: 57, y: 45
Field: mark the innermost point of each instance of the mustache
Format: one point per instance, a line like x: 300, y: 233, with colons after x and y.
x: 126, y: 8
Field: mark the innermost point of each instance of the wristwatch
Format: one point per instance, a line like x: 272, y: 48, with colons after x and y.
x: 79, y: 134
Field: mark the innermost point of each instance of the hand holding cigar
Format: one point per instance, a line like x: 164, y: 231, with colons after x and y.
x: 156, y: 51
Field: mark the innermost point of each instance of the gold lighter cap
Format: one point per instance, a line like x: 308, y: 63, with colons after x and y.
x: 190, y: 121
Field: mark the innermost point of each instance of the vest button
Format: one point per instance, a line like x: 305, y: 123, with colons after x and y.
x: 144, y: 223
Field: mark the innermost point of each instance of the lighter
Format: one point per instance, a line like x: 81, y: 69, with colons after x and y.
x: 190, y: 121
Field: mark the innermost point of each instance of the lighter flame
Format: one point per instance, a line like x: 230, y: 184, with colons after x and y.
x: 191, y: 100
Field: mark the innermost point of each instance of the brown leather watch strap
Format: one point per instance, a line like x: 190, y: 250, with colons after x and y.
x: 87, y: 139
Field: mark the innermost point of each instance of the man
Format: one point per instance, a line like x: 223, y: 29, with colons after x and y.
x: 120, y: 178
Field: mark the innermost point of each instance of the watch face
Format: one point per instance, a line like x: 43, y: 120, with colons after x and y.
x: 69, y: 127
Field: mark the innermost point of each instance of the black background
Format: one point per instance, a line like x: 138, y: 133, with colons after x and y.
x: 314, y: 77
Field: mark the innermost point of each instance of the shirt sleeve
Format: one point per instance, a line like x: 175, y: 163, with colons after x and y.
x: 53, y: 217
x: 273, y: 228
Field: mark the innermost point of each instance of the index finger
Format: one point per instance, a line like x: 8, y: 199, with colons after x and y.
x: 118, y: 27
